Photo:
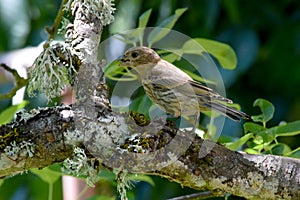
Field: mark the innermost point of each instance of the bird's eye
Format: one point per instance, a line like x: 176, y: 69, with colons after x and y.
x: 134, y: 54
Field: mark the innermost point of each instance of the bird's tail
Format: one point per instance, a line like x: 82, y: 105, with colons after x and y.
x: 228, y: 111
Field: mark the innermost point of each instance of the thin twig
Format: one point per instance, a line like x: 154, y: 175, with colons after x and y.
x: 196, y: 196
x: 20, y: 82
x: 53, y: 29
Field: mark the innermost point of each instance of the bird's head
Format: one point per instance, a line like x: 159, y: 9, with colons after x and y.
x: 137, y: 56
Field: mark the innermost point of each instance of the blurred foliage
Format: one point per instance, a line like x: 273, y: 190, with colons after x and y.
x: 28, y: 186
x: 263, y: 139
x: 264, y: 34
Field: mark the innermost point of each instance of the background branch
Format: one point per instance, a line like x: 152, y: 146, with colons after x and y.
x: 20, y: 82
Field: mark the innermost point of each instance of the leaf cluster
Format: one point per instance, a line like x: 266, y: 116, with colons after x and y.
x: 259, y: 138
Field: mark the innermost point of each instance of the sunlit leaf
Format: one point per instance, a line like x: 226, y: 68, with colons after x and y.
x: 258, y: 139
x: 8, y: 114
x: 250, y: 127
x: 221, y: 51
x: 193, y: 46
x: 240, y: 142
x: 288, y: 129
x: 267, y: 136
x: 144, y: 18
x: 172, y: 57
x: 115, y: 72
x: 57, y: 167
x: 47, y: 175
x: 251, y: 151
x: 259, y: 147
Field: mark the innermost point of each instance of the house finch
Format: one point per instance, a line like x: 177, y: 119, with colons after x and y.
x: 174, y: 91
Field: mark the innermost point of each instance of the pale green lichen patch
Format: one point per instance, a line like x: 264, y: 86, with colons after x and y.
x: 102, y: 9
x: 73, y: 137
x: 22, y: 149
x: 81, y: 166
x: 53, y: 70
x: 24, y: 115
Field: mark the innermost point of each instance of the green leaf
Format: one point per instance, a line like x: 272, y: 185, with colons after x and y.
x: 289, y: 129
x: 112, y: 68
x: 233, y: 11
x: 259, y: 147
x: 278, y: 149
x: 221, y: 51
x: 1, y: 182
x: 164, y: 27
x: 140, y: 177
x: 47, y: 175
x: 114, y: 72
x: 141, y: 104
x: 144, y: 18
x: 240, y: 142
x: 267, y: 110
x: 251, y: 151
x: 101, y: 197
x: 192, y: 46
x: 171, y: 57
x: 295, y: 153
x: 198, y: 78
x: 57, y: 168
x: 267, y: 136
x: 128, y: 38
x: 107, y: 175
x: 250, y: 127
x: 258, y: 139
x: 8, y: 114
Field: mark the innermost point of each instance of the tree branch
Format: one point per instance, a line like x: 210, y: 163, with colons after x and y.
x: 46, y: 136
x: 20, y: 82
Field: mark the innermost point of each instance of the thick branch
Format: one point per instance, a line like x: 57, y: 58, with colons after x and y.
x: 51, y: 134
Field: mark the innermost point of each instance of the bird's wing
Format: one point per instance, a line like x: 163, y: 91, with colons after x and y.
x: 201, y: 90
x: 166, y: 76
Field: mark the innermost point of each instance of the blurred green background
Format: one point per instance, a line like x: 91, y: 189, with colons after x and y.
x: 264, y: 34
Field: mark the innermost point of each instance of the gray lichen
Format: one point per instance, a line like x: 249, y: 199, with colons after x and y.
x: 53, y: 70
x: 103, y: 9
x: 23, y: 149
x: 81, y: 166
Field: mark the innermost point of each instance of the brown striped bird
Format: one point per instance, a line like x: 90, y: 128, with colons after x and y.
x: 174, y: 91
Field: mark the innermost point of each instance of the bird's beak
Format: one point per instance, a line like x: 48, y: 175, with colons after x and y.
x: 124, y: 61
